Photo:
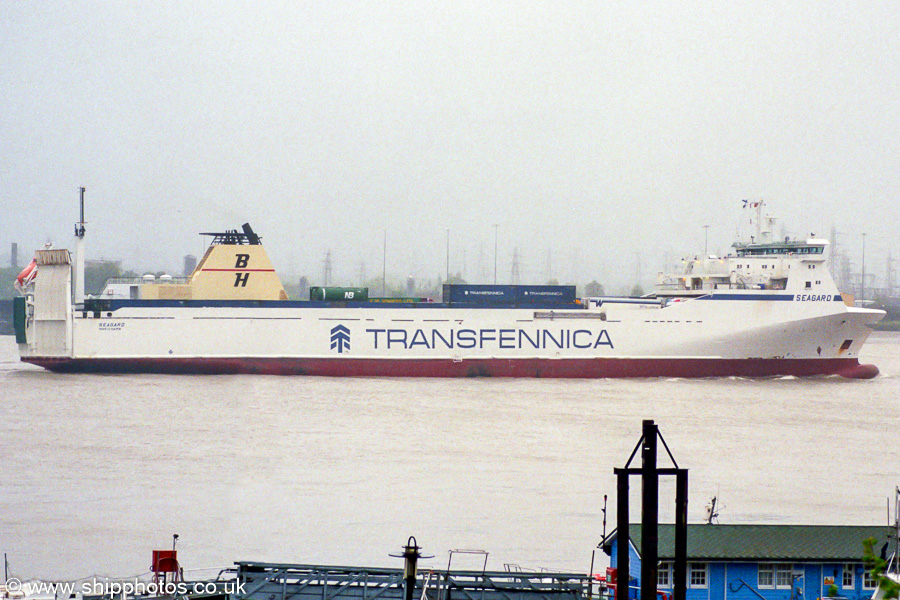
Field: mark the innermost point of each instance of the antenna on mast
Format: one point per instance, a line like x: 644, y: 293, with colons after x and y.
x: 759, y: 207
x: 78, y: 274
x: 711, y: 513
x: 79, y: 226
x: 604, y: 516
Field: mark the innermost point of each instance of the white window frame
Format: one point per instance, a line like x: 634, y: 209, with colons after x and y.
x: 769, y: 570
x: 782, y: 569
x: 868, y: 582
x: 848, y: 574
x: 698, y: 568
x: 774, y: 570
x: 664, y: 576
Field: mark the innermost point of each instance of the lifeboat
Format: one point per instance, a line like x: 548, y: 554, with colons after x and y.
x: 26, y: 276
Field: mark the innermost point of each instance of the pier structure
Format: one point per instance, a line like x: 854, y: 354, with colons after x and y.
x: 274, y: 581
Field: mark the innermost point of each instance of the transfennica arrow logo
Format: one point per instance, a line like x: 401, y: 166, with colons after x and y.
x: 340, y: 338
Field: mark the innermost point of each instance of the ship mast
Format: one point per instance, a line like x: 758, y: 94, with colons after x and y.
x: 759, y: 207
x: 79, y: 254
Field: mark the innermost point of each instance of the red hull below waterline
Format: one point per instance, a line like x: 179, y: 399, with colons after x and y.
x: 595, y: 368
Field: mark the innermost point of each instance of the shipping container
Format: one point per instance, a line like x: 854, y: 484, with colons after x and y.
x: 546, y: 294
x: 509, y: 295
x: 479, y: 294
x: 334, y: 294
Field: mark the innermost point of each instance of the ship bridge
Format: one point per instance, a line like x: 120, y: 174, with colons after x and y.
x: 785, y: 248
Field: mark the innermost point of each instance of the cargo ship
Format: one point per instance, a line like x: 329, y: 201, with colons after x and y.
x: 770, y: 308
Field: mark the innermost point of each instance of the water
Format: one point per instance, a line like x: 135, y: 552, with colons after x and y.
x: 99, y: 470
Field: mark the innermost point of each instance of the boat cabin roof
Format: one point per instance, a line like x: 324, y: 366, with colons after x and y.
x: 786, y: 247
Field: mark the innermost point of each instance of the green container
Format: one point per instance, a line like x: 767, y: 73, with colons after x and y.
x: 338, y: 294
x: 19, y: 319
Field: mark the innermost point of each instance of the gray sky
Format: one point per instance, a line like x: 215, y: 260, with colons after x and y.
x: 595, y: 130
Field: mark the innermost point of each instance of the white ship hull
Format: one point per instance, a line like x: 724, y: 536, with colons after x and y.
x: 722, y: 334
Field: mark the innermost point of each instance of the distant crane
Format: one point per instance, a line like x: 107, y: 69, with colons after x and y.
x: 326, y: 269
x: 889, y: 281
x: 514, y: 276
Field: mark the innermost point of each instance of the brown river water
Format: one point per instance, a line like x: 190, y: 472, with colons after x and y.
x: 97, y: 470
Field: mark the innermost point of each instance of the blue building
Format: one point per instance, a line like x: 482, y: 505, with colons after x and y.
x: 763, y: 562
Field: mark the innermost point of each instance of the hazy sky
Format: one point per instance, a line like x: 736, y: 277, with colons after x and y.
x: 597, y: 134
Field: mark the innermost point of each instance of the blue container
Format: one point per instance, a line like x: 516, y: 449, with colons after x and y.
x: 509, y: 295
x: 480, y: 294
x: 545, y: 294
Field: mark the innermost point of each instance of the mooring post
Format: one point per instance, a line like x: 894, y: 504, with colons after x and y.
x: 650, y: 512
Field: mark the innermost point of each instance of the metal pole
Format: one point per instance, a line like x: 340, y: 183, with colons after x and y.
x: 495, y: 253
x: 862, y: 283
x: 81, y: 219
x: 897, y: 528
x: 448, y: 256
x: 604, y: 516
x: 410, y: 578
x: 622, y: 534
x: 384, y: 266
x: 590, y: 585
x: 410, y: 556
x: 650, y: 512
x: 80, y: 256
x: 681, y: 505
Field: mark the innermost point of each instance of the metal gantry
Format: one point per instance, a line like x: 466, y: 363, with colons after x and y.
x: 650, y: 473
x: 269, y: 581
